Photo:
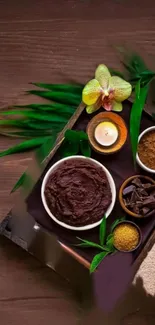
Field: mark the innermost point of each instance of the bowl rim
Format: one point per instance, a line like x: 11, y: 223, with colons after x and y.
x: 140, y: 235
x: 65, y: 225
x: 137, y: 156
x: 129, y: 179
x: 99, y: 117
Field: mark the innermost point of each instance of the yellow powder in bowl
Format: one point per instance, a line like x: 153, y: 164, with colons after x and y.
x: 126, y: 237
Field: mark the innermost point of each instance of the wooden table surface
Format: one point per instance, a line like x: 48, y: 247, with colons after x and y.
x: 54, y: 41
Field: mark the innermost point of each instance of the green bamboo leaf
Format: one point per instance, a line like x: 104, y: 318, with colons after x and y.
x: 24, y: 146
x: 144, y: 80
x: 60, y: 87
x: 60, y: 108
x: 147, y: 73
x: 116, y: 222
x: 85, y: 148
x: 27, y: 133
x: 135, y: 116
x: 43, y: 125
x: 133, y: 62
x: 97, y: 260
x: 109, y: 237
x: 130, y: 69
x: 137, y: 62
x: 110, y: 242
x: 37, y: 116
x: 45, y: 148
x: 19, y: 183
x: 60, y: 97
x: 25, y: 180
x: 103, y: 231
x: 29, y: 124
x: 16, y: 123
x: 33, y: 124
x: 87, y: 243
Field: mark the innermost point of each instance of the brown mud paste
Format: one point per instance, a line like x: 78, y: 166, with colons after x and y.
x: 146, y: 149
x: 78, y: 192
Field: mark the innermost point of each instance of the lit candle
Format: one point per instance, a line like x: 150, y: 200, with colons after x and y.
x: 106, y: 133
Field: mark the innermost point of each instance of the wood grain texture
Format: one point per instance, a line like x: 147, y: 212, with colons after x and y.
x: 54, y: 41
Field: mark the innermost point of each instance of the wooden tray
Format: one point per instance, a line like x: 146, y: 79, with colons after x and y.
x: 31, y: 215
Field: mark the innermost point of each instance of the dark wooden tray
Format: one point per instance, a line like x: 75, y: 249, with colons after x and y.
x: 119, y: 267
x: 120, y: 165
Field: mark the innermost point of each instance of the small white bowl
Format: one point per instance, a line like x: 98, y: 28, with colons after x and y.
x: 137, y: 156
x: 111, y: 183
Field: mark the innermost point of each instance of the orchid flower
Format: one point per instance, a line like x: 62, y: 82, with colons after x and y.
x: 105, y: 90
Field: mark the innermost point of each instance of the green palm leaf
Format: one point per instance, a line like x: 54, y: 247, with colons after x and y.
x: 43, y: 151
x: 60, y: 87
x: 16, y: 123
x: 19, y: 183
x: 27, y: 133
x: 135, y: 116
x: 60, y: 97
x: 37, y: 116
x: 43, y: 125
x: 24, y: 146
x: 60, y: 108
x: 33, y: 124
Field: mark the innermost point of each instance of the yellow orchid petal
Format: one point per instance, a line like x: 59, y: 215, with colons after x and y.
x: 91, y: 92
x: 122, y: 89
x: 92, y: 108
x: 102, y: 74
x: 117, y: 106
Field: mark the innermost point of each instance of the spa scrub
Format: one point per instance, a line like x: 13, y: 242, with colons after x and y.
x: 146, y: 149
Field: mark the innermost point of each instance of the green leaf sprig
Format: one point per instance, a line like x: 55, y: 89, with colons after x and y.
x: 106, y: 243
x: 135, y: 116
x: 140, y: 76
x: 75, y: 142
x: 135, y: 68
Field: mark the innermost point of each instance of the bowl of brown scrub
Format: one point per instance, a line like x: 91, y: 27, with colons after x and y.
x: 146, y: 150
x: 77, y: 191
x: 137, y: 196
x: 127, y: 236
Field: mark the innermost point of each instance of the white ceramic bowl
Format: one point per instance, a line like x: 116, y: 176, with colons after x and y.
x: 111, y: 183
x: 137, y: 156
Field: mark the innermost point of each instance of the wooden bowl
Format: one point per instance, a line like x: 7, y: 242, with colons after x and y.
x: 122, y: 132
x: 125, y: 184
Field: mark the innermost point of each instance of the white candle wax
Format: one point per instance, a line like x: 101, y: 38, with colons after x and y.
x: 106, y: 133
